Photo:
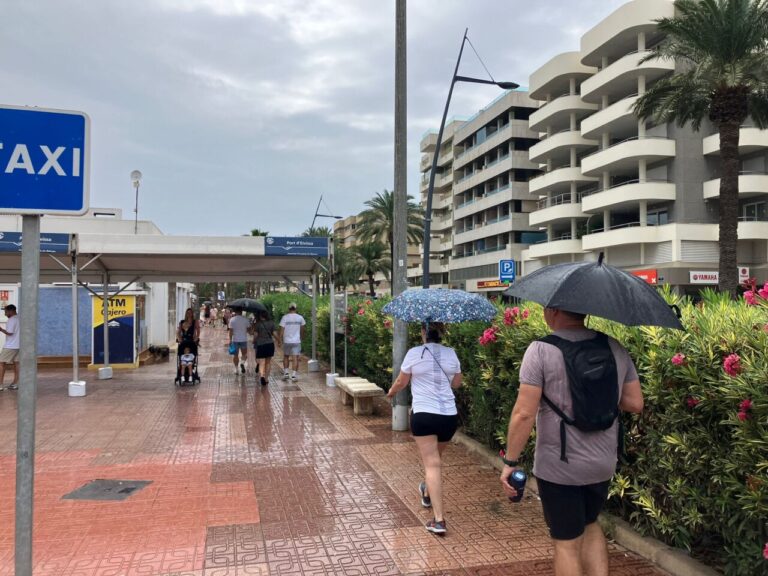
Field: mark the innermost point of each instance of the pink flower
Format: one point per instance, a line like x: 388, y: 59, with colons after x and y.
x: 361, y: 312
x: 515, y: 311
x: 765, y: 551
x: 763, y: 292
x: 742, y: 416
x: 525, y: 313
x: 509, y: 317
x: 387, y: 323
x: 678, y: 359
x: 765, y: 327
x: 745, y: 405
x: 692, y: 402
x: 732, y: 365
x: 750, y: 297
x: 367, y: 302
x: 489, y: 335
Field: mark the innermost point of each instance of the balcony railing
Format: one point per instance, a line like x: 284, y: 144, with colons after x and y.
x: 620, y: 226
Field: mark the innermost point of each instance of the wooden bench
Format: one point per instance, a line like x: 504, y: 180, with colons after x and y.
x: 359, y: 392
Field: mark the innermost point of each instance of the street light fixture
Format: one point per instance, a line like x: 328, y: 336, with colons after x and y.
x: 322, y: 215
x: 431, y: 187
x: 136, y: 179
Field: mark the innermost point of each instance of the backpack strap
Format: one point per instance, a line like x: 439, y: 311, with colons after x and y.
x: 564, y: 419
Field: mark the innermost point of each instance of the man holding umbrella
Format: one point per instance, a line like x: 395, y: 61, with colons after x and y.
x: 577, y: 430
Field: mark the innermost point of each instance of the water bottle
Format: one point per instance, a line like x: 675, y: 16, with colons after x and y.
x: 517, y: 481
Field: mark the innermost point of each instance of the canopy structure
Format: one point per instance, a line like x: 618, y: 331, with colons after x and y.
x: 159, y: 258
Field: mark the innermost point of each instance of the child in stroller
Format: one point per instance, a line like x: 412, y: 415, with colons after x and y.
x: 188, y: 337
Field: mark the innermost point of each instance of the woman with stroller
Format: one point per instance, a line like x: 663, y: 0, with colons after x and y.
x: 188, y: 339
x: 263, y: 330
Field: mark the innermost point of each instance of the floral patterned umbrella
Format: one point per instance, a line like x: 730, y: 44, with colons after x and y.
x: 440, y: 305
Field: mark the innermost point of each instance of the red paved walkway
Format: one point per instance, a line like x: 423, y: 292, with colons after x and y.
x: 246, y: 480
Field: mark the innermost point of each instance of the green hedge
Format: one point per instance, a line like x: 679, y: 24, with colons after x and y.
x: 696, y: 466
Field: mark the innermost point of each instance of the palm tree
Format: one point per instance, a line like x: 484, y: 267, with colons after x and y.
x: 371, y: 259
x: 721, y: 47
x: 378, y: 221
x: 259, y: 232
x: 321, y: 232
x: 346, y: 267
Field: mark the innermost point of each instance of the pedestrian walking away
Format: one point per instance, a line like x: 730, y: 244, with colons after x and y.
x: 433, y: 371
x: 264, y: 344
x: 573, y: 385
x: 10, y: 351
x: 291, y: 334
x: 238, y: 339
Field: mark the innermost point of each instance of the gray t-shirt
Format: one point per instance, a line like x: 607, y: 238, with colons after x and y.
x: 263, y: 330
x: 591, y: 455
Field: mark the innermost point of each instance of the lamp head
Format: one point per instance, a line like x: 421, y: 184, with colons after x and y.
x: 508, y: 85
x: 135, y: 177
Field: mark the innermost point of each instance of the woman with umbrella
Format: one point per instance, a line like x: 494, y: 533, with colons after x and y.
x: 433, y: 370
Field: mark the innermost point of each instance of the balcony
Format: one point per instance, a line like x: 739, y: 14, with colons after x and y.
x: 562, y: 245
x: 618, y: 117
x: 515, y: 159
x: 558, y: 146
x: 626, y: 154
x: 752, y: 229
x: 558, y: 112
x: 481, y: 257
x: 554, y: 77
x: 440, y: 201
x: 558, y: 179
x: 557, y: 208
x: 515, y: 129
x: 503, y: 225
x: 750, y: 184
x: 751, y: 139
x: 620, y: 77
x: 499, y: 196
x: 622, y: 234
x: 629, y: 194
x: 428, y: 141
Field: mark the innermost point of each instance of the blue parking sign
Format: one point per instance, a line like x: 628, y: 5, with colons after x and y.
x: 43, y: 161
x: 506, y: 270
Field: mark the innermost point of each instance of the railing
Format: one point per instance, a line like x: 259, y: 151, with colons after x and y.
x: 753, y: 218
x: 496, y: 220
x: 620, y: 142
x: 554, y: 201
x: 620, y: 226
x: 487, y: 139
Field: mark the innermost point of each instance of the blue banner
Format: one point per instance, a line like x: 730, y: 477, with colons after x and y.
x: 299, y: 246
x: 49, y: 243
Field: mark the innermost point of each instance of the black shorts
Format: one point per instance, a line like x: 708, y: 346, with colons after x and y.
x: 265, y: 350
x: 569, y: 509
x: 427, y: 424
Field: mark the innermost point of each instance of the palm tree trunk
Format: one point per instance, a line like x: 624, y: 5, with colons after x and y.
x: 729, y: 206
x: 370, y: 285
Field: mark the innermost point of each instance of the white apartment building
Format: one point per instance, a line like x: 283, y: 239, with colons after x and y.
x: 480, y: 203
x: 646, y: 195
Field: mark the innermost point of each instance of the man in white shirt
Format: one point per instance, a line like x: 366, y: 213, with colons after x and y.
x: 291, y: 333
x: 10, y: 352
x: 238, y: 335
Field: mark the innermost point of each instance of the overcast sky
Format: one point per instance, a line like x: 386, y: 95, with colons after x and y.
x: 242, y: 113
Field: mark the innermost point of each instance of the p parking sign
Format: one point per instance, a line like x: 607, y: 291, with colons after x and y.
x: 43, y: 161
x: 506, y: 270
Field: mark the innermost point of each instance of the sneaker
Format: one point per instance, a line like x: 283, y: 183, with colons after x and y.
x: 294, y: 376
x: 242, y: 367
x: 436, y: 527
x: 426, y: 501
x: 1, y: 388
x: 264, y: 381
x: 237, y: 372
x: 285, y: 375
x: 13, y: 387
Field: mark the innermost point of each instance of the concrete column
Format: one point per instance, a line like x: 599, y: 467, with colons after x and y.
x: 549, y: 164
x: 573, y: 228
x: 572, y: 86
x: 573, y: 124
x: 603, y: 62
x: 641, y: 41
x: 606, y: 180
x: 574, y: 158
x: 604, y: 102
x: 606, y: 220
x: 643, y: 212
x: 606, y: 141
x: 641, y: 84
x: 549, y: 232
x: 642, y: 254
x: 642, y: 170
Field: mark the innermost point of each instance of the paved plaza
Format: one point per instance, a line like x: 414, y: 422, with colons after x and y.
x: 252, y: 480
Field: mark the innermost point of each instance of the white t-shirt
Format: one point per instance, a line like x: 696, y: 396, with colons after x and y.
x: 432, y: 368
x: 13, y: 340
x: 187, y: 359
x: 238, y: 324
x: 292, y: 324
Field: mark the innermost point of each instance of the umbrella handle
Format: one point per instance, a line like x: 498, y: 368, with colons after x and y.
x: 676, y: 310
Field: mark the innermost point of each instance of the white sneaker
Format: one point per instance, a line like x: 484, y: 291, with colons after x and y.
x: 285, y: 374
x: 237, y: 372
x: 294, y: 376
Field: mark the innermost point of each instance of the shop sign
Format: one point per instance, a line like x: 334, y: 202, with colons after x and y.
x: 649, y: 276
x: 492, y: 284
x: 705, y: 277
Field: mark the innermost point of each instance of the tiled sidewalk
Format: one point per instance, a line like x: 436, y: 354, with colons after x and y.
x: 251, y: 480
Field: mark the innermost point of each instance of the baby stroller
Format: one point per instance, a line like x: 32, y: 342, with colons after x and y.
x: 194, y: 376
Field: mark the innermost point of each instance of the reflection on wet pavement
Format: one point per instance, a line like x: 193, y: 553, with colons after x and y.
x: 276, y: 480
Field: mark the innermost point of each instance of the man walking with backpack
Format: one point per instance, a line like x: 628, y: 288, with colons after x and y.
x: 573, y: 384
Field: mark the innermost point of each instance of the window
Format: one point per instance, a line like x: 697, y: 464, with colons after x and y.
x: 755, y: 212
x: 658, y: 218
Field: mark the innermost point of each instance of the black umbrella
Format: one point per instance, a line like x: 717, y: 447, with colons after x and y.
x: 248, y: 304
x: 596, y: 289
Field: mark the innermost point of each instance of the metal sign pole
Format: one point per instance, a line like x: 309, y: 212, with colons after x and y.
x: 25, y: 435
x: 75, y: 318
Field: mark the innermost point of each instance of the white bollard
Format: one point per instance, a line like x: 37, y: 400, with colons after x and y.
x: 77, y: 388
x: 330, y: 379
x: 105, y: 373
x: 313, y: 366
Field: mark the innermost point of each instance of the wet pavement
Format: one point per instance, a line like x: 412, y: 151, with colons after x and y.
x: 251, y: 480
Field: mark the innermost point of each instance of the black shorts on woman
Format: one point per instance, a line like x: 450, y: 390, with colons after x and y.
x: 440, y: 425
x: 264, y: 350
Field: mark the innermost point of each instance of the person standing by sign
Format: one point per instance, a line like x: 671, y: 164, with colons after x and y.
x: 10, y: 352
x: 291, y: 333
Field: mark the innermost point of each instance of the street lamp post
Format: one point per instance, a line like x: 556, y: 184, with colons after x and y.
x: 315, y: 217
x: 431, y: 187
x: 136, y: 179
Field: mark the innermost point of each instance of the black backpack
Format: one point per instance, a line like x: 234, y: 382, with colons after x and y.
x: 593, y: 382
